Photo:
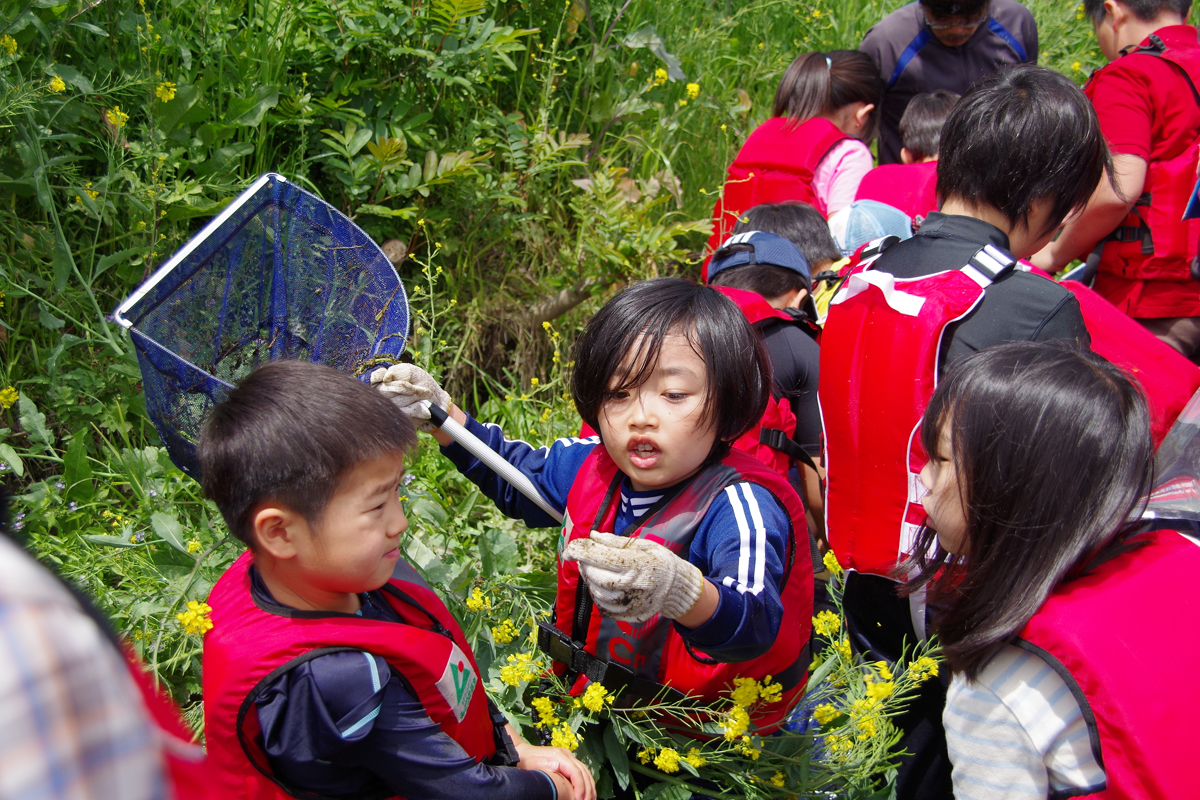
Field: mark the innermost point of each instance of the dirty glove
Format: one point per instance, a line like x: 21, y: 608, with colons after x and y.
x: 631, y: 580
x: 411, y: 389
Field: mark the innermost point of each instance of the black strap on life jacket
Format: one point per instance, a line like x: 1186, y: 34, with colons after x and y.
x: 779, y: 440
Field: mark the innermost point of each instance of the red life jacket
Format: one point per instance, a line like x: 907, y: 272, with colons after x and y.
x: 769, y: 440
x: 1154, y: 242
x: 879, y: 367
x: 185, y: 762
x: 1167, y: 378
x: 248, y: 647
x: 912, y: 188
x: 775, y: 164
x: 652, y: 653
x: 1099, y: 633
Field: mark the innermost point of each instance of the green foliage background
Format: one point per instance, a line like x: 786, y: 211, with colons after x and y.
x: 529, y: 157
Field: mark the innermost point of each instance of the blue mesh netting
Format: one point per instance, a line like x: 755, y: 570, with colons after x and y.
x: 284, y: 276
x: 1176, y: 494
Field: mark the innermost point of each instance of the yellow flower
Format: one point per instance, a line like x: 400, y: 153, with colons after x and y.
x: 667, y: 760
x: 521, y: 668
x: 505, y: 632
x: 545, y: 325
x: 165, y: 91
x: 57, y: 85
x: 737, y: 720
x: 884, y: 670
x: 533, y: 381
x: 563, y: 736
x: 748, y: 749
x: 693, y: 90
x: 1077, y: 66
x: 194, y: 546
x: 778, y: 780
x: 593, y: 697
x: 8, y: 396
x: 9, y: 44
x: 827, y: 623
x: 842, y: 648
x: 116, y: 117
x: 477, y: 602
x: 923, y: 669
x: 724, y: 127
x: 839, y: 743
x: 195, y: 619
x: 746, y: 693
x: 646, y: 755
x: 831, y: 563
x: 880, y: 690
x: 824, y: 713
x: 545, y: 711
x: 695, y: 758
x: 682, y: 103
x: 660, y: 74
x: 770, y: 692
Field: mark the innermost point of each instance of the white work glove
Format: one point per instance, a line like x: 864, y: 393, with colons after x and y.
x: 631, y: 580
x: 411, y: 389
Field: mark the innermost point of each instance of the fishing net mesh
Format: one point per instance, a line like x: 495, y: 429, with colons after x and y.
x: 284, y: 276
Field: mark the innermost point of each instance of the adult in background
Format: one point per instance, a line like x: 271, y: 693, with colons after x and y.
x: 943, y: 44
x: 1150, y: 114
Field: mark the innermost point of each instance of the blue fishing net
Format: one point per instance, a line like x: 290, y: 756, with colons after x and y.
x: 279, y: 274
x: 1176, y: 495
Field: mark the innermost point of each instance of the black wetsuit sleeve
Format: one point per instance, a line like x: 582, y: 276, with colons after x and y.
x: 795, y: 362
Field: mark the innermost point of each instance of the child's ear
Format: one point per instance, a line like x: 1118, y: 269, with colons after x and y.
x: 863, y: 113
x: 906, y: 156
x: 276, y: 530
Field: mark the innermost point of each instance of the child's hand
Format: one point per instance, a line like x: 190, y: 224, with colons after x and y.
x: 411, y: 389
x: 633, y: 579
x: 558, y: 761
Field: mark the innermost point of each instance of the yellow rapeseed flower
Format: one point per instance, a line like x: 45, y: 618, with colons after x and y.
x: 1077, y: 66
x: 824, y: 713
x: 693, y: 90
x: 660, y: 74
x: 924, y: 668
x: 477, y: 601
x: 165, y: 91
x: 9, y: 44
x: 116, y: 117
x: 195, y: 619
x: 57, y: 85
x: 667, y: 760
x: 646, y: 755
x: 520, y: 668
x: 749, y: 750
x: 545, y: 711
x: 880, y: 690
x: 842, y: 648
x: 770, y: 692
x: 593, y: 697
x: 505, y: 632
x: 831, y: 563
x: 778, y: 780
x: 194, y: 546
x: 827, y: 623
x: 8, y: 396
x: 746, y: 691
x: 563, y: 736
x: 883, y: 669
x: 695, y: 758
x: 737, y: 720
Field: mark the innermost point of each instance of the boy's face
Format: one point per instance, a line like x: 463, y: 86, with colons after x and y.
x: 353, y: 548
x: 655, y: 432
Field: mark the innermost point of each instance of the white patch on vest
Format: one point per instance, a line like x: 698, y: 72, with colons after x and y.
x: 907, y: 304
x: 458, y: 682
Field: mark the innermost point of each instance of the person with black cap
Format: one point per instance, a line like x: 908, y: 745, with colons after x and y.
x: 770, y: 280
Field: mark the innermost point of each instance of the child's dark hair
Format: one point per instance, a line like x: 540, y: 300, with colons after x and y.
x: 821, y: 83
x: 1019, y: 135
x: 921, y: 125
x: 1145, y: 10
x: 632, y: 327
x: 1052, y: 449
x: 799, y: 223
x: 955, y: 8
x: 288, y: 433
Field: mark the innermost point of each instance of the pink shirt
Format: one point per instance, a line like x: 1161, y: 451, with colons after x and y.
x: 836, y: 178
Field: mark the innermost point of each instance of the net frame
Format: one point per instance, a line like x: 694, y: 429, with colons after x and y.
x: 282, y: 275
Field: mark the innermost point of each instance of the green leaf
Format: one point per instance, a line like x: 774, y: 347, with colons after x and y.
x: 251, y: 110
x: 70, y: 76
x: 170, y: 114
x: 62, y: 262
x: 408, y: 212
x: 48, y: 320
x: 115, y: 258
x: 110, y: 541
x: 90, y: 28
x: 647, y: 36
x: 618, y: 756
x: 77, y: 470
x: 10, y: 457
x: 168, y: 529
x: 33, y: 422
x: 429, y: 510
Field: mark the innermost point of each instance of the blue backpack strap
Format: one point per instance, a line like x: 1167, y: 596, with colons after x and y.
x: 995, y: 27
x: 910, y: 53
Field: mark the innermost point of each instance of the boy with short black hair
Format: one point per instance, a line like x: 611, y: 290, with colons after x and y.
x: 911, y: 185
x: 332, y: 669
x: 1020, y: 151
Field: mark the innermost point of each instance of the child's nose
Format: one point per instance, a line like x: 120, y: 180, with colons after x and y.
x: 399, y: 521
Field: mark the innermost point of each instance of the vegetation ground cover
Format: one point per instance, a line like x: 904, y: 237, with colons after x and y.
x: 521, y: 159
